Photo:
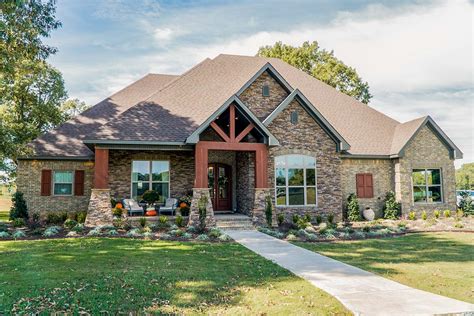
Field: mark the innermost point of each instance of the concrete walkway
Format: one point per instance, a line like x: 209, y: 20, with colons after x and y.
x: 362, y: 292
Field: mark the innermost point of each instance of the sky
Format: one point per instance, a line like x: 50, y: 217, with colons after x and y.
x: 417, y: 56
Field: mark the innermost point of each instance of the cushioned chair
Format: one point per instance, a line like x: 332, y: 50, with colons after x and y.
x: 170, y: 206
x: 133, y: 207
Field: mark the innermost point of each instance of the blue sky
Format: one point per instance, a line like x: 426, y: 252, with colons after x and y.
x: 416, y: 55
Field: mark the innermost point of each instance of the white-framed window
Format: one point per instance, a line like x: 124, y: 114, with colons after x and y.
x: 427, y: 186
x: 295, y: 180
x: 150, y: 175
x: 62, y: 182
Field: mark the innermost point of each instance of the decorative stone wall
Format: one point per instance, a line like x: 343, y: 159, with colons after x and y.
x: 29, y: 182
x: 194, y: 212
x: 258, y: 212
x: 245, y: 189
x: 120, y: 170
x: 253, y: 97
x: 308, y: 138
x: 382, y: 176
x: 425, y: 151
x: 99, y: 211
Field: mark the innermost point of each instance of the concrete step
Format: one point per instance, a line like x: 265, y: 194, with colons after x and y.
x: 234, y: 222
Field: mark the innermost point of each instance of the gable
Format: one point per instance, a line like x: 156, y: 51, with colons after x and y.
x: 259, y: 104
x: 426, y: 145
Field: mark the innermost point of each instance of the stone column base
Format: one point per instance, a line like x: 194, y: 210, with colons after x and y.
x: 258, y: 212
x: 99, y: 211
x: 194, y: 211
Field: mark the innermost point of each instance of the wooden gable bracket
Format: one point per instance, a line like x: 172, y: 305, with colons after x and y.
x: 232, y: 138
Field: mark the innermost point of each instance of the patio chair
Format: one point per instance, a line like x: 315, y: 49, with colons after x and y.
x: 133, y: 207
x: 170, y: 206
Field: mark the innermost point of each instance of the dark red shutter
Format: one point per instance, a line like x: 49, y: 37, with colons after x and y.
x: 360, y: 185
x: 45, y: 182
x: 79, y: 182
x: 369, y: 185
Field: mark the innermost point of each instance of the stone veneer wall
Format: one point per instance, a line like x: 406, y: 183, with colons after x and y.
x: 120, y: 170
x: 382, y: 175
x: 253, y: 97
x: 425, y: 151
x: 245, y: 182
x: 308, y: 138
x: 29, y: 182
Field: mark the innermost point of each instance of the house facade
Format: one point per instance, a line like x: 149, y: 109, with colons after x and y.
x: 237, y: 129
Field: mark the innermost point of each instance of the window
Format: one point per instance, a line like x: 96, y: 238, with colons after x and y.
x: 295, y: 180
x: 294, y: 117
x: 364, y: 185
x: 150, y: 175
x: 427, y: 186
x: 266, y: 91
x: 62, y: 183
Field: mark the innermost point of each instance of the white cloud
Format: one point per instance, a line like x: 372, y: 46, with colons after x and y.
x: 163, y: 33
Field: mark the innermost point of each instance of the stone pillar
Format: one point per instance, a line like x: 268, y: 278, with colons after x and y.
x: 258, y: 212
x: 99, y: 211
x: 194, y: 211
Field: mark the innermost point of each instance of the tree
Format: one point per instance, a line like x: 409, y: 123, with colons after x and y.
x: 391, y: 208
x: 322, y: 65
x: 73, y: 107
x: 353, y: 209
x: 31, y: 90
x: 465, y: 177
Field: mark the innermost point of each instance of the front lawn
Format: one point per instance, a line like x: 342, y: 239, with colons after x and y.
x: 441, y: 263
x: 126, y: 275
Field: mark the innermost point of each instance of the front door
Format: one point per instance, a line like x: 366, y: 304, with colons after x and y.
x: 220, y: 185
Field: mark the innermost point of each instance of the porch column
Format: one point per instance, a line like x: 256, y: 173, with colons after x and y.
x: 261, y: 172
x: 201, y: 162
x: 261, y: 187
x: 99, y: 211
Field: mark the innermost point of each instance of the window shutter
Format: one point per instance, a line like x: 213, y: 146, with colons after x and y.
x: 360, y: 185
x: 79, y: 182
x: 369, y: 186
x: 46, y: 182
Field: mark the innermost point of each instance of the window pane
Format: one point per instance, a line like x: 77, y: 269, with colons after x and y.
x: 280, y: 161
x: 310, y: 162
x: 140, y: 171
x: 295, y: 160
x: 295, y: 177
x: 433, y: 176
x: 419, y: 194
x: 62, y: 189
x: 418, y: 177
x: 296, y: 196
x: 163, y: 191
x: 280, y: 176
x: 281, y: 196
x: 311, y: 195
x: 310, y: 176
x: 160, y: 171
x: 138, y: 188
x: 434, y: 194
x: 62, y: 177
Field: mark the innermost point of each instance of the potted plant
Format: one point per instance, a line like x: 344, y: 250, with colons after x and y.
x: 184, y: 204
x: 150, y: 197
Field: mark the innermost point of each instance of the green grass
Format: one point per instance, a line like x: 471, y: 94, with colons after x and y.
x: 125, y: 275
x: 441, y: 263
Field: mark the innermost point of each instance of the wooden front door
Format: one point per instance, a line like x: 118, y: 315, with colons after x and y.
x: 220, y: 185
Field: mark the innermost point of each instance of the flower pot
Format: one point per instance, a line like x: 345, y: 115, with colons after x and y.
x: 150, y: 212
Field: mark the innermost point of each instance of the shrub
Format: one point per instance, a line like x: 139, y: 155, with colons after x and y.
x: 94, y: 232
x: 72, y: 234
x: 331, y: 218
x: 224, y: 237
x: 459, y: 213
x: 295, y: 218
x: 192, y: 230
x: 437, y: 213
x: 366, y: 229
x: 280, y: 219
x: 4, y: 235
x: 150, y: 197
x: 81, y: 217
x: 330, y: 234
x: 163, y: 221
x: 391, y: 208
x: 202, y: 237
x: 319, y: 219
x: 202, y: 207
x: 307, y: 217
x: 165, y: 236
x: 447, y: 213
x: 402, y: 225
x: 174, y: 227
x: 179, y: 221
x: 353, y: 210
x: 466, y: 204
x: 135, y: 232
x: 311, y: 237
x: 70, y: 223
x: 424, y: 216
x: 458, y: 225
x: 147, y: 230
x: 187, y: 236
x: 3, y: 227
x: 19, y: 234
x: 359, y: 235
x: 147, y: 235
x: 176, y: 232
x: 117, y: 212
x: 34, y: 221
x: 57, y: 218
x: 302, y: 223
x: 79, y: 228
x: 19, y: 208
x: 291, y: 237
x: 310, y: 229
x: 412, y: 216
x: 51, y: 231
x: 268, y: 210
x: 19, y: 222
x: 142, y: 221
x: 214, y: 232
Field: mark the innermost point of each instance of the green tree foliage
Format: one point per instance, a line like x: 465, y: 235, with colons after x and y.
x: 268, y: 210
x: 19, y: 208
x: 353, y: 209
x: 465, y: 177
x: 73, y: 107
x: 31, y: 90
x: 391, y: 208
x: 466, y: 204
x: 322, y: 65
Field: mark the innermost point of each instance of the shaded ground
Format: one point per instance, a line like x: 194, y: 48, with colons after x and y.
x: 126, y: 275
x: 441, y: 263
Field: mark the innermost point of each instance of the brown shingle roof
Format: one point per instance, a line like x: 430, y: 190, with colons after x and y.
x: 403, y: 132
